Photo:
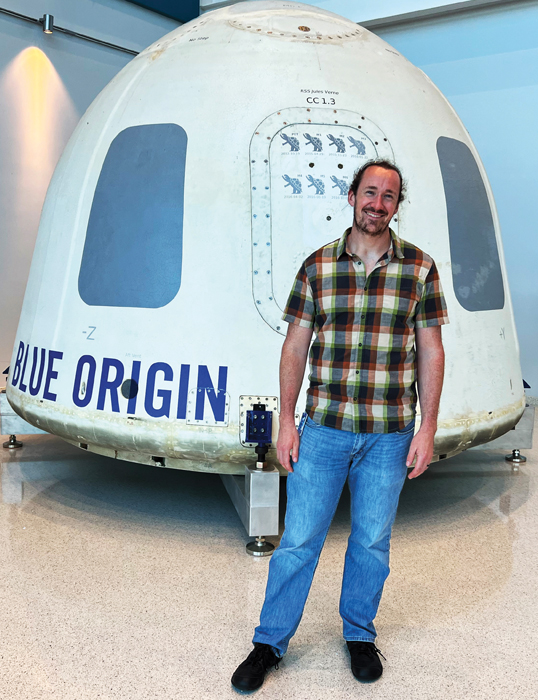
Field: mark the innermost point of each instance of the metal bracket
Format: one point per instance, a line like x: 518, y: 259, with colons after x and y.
x: 246, y: 403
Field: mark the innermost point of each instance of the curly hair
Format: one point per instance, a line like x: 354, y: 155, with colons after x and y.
x: 387, y: 165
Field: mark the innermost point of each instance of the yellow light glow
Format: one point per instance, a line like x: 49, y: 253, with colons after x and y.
x: 40, y: 116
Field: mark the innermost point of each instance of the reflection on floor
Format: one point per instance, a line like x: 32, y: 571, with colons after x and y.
x: 125, y: 581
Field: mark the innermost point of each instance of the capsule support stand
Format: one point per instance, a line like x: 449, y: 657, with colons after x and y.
x: 12, y: 443
x: 260, y: 548
x: 516, y: 458
x: 256, y: 500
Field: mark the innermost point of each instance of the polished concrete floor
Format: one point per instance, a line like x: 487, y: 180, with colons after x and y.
x: 125, y: 581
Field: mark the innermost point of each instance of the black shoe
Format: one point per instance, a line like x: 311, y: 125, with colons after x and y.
x: 365, y: 663
x: 251, y: 673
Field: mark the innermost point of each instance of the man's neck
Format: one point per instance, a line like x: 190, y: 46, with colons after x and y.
x: 366, y: 246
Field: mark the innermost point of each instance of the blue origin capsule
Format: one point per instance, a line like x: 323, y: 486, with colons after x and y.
x: 183, y: 205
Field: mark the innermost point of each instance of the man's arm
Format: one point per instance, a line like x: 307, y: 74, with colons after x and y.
x: 292, y: 366
x: 430, y: 371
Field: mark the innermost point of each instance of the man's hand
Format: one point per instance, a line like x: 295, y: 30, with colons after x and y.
x: 422, y: 448
x: 288, y: 441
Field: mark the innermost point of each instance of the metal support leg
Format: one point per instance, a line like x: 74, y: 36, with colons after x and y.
x: 255, y: 497
x: 260, y: 548
x: 12, y: 443
x: 516, y: 458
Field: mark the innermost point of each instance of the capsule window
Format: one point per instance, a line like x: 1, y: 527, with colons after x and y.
x: 134, y: 241
x: 476, y: 268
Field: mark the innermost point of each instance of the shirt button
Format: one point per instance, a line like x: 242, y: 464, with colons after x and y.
x: 360, y: 345
x: 363, y: 316
x: 357, y: 371
x: 356, y: 398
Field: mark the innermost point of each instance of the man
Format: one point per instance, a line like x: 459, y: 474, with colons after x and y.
x: 370, y: 298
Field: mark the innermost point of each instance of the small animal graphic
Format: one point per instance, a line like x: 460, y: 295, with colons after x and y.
x: 318, y: 184
x: 313, y: 141
x: 359, y: 145
x: 294, y: 182
x: 339, y: 143
x: 342, y: 184
x: 291, y: 141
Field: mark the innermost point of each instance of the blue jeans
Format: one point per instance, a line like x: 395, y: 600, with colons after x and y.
x: 375, y: 466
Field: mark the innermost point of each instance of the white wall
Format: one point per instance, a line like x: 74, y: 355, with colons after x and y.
x: 46, y: 84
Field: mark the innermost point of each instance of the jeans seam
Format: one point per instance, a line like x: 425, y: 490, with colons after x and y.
x: 360, y: 639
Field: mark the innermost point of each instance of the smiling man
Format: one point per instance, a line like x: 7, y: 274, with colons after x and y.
x: 375, y: 305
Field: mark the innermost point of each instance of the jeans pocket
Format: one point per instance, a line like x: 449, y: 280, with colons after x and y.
x: 409, y: 428
x: 312, y: 424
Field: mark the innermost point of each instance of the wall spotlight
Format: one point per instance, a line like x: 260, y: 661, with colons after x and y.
x: 48, y: 23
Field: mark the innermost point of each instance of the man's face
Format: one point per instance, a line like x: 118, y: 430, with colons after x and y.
x: 376, y: 200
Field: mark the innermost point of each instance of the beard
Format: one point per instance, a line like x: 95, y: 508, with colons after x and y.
x: 369, y: 226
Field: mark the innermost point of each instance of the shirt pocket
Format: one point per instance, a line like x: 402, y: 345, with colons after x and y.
x: 405, y: 306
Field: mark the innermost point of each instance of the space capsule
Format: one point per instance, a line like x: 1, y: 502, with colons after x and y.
x: 183, y: 205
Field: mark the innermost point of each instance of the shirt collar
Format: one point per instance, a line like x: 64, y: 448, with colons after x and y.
x: 394, y: 249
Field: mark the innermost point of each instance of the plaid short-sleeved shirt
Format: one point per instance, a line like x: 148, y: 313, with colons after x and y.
x: 362, y: 360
